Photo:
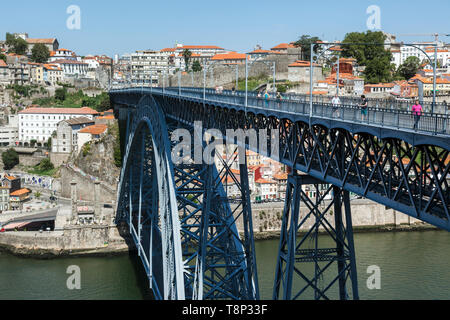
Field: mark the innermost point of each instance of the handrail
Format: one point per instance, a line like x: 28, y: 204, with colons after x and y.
x: 385, y: 117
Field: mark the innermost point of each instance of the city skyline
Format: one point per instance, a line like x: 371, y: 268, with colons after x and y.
x: 238, y: 26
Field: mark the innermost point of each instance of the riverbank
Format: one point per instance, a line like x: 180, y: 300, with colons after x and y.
x: 76, y: 241
x: 108, y: 241
x: 275, y: 234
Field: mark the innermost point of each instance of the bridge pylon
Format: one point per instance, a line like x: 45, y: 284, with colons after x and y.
x: 313, y: 240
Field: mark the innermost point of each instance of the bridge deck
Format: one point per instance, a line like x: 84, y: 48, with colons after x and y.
x: 378, y: 121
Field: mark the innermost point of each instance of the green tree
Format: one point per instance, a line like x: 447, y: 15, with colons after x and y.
x: 196, y: 66
x: 305, y: 42
x: 16, y: 45
x: 60, y: 94
x: 2, y: 57
x: 45, y: 165
x: 104, y: 102
x: 40, y: 53
x: 187, y: 56
x: 10, y: 159
x: 409, y: 68
x: 33, y: 142
x: 370, y: 53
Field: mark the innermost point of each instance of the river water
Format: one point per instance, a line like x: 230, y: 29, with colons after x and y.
x: 413, y: 265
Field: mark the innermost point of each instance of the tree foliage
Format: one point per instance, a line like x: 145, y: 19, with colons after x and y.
x: 60, y: 94
x: 10, y: 159
x: 371, y: 53
x: 16, y: 45
x: 187, y: 56
x: 305, y: 42
x: 409, y: 68
x: 45, y: 165
x: 40, y: 53
x: 196, y: 66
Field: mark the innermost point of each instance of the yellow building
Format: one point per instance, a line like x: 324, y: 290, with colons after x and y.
x: 36, y: 73
x: 442, y: 85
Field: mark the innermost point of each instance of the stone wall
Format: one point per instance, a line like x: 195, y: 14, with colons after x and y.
x: 365, y: 215
x: 219, y: 75
x: 30, y: 160
x: 59, y: 158
x: 71, y: 241
x: 85, y: 187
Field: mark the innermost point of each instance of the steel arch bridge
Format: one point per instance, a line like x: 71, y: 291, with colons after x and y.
x: 184, y: 224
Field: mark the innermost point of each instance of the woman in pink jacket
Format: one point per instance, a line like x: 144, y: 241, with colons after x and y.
x: 417, y: 112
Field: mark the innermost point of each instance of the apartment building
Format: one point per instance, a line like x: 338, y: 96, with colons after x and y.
x: 150, y: 64
x: 52, y: 74
x: 72, y: 68
x: 40, y: 123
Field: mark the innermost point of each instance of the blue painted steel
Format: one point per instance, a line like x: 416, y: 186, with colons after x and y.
x: 383, y: 157
x: 217, y: 267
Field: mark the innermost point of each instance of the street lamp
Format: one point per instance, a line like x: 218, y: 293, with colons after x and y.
x: 179, y: 83
x: 247, y: 65
x: 205, y: 69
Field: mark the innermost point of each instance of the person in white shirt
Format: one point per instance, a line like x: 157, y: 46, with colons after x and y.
x: 336, y: 102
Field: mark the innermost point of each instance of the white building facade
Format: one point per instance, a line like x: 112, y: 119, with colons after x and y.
x: 40, y: 123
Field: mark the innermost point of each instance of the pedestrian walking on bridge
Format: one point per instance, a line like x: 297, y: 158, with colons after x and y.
x: 336, y: 102
x: 364, y: 106
x: 417, y: 112
x: 279, y: 98
x: 266, y: 98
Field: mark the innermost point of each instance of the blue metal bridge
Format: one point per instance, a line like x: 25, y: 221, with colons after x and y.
x: 184, y: 224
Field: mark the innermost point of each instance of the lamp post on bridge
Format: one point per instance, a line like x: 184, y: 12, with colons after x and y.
x: 179, y: 83
x: 205, y: 69
x: 330, y: 44
x: 247, y: 65
x: 164, y: 81
x: 151, y: 80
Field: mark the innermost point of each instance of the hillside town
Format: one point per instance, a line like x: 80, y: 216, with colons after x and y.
x: 54, y: 103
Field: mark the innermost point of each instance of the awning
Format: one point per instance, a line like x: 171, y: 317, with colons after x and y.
x: 14, y: 225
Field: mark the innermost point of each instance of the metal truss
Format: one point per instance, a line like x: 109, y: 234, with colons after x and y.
x: 184, y: 223
x: 406, y: 177
x: 296, y: 251
x: 180, y: 218
x: 147, y: 200
x: 220, y: 263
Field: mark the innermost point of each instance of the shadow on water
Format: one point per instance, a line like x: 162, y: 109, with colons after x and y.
x: 142, y: 281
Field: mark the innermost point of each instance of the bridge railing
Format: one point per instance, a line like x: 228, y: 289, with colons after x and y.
x: 392, y: 118
x: 379, y: 103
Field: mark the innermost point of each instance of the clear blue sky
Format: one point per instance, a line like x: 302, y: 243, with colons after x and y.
x: 110, y: 27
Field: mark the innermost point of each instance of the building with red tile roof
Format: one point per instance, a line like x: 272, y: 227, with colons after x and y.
x: 283, y: 47
x: 230, y: 58
x: 51, y: 43
x: 95, y: 130
x: 36, y: 123
x: 90, y: 133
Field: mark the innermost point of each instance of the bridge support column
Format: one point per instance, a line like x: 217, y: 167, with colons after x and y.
x: 305, y: 255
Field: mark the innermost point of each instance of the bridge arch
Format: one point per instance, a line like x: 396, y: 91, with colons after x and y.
x: 147, y: 199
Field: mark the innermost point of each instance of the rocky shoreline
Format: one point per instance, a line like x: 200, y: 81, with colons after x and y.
x: 43, y: 253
